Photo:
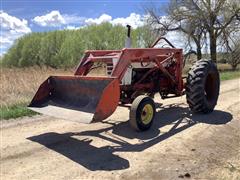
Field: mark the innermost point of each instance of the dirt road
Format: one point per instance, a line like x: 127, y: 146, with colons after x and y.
x: 179, y: 145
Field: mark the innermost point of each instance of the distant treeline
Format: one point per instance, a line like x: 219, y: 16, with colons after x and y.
x: 64, y: 48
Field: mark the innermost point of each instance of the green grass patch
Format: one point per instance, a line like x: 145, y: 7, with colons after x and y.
x: 227, y: 75
x: 15, y: 111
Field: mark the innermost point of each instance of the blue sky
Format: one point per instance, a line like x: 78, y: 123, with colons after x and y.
x: 19, y: 17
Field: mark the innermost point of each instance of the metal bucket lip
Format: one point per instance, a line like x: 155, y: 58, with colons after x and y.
x: 84, y: 77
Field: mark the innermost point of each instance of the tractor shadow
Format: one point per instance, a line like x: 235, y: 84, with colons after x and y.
x: 175, y: 116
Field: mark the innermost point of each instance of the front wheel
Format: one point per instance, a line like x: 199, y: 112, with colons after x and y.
x: 142, y: 113
x: 202, y: 87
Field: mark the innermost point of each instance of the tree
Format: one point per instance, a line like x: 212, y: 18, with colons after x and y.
x: 64, y: 48
x: 50, y: 46
x: 198, y: 19
x: 12, y: 57
x: 30, y: 51
x: 234, y: 58
x: 71, y: 51
x: 144, y: 36
x: 230, y: 40
x: 175, y: 20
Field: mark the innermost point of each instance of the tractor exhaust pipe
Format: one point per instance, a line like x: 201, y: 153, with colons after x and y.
x: 128, y: 42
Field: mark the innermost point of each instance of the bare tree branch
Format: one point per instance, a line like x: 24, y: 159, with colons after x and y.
x: 199, y: 19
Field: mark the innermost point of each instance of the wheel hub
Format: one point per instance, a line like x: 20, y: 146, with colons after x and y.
x: 147, y: 114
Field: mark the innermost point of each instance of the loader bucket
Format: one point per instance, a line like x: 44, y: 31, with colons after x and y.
x: 77, y: 98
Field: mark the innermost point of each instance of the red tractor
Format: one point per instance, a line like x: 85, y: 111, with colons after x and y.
x: 133, y: 76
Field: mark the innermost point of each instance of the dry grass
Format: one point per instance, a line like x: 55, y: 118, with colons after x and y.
x: 221, y: 67
x: 19, y: 85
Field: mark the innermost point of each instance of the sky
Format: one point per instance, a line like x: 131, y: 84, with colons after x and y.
x: 20, y: 17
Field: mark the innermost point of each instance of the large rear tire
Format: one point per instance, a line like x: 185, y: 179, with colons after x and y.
x: 142, y: 113
x: 202, y: 87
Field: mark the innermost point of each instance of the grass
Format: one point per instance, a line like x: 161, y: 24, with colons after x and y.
x: 229, y: 75
x: 18, y: 86
x: 15, y: 111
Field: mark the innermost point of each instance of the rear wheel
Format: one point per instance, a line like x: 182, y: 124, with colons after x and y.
x: 142, y: 113
x: 202, y: 87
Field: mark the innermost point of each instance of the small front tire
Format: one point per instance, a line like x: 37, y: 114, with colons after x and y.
x: 142, y: 113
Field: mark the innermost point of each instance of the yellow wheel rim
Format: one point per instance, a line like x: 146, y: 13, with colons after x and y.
x: 147, y: 114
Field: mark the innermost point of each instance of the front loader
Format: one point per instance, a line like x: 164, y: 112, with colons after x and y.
x: 132, y: 77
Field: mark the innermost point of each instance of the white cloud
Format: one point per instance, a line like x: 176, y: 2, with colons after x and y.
x: 103, y: 18
x: 2, y: 53
x: 11, y: 29
x: 5, y: 41
x: 135, y: 20
x: 73, y: 19
x: 13, y: 24
x: 72, y: 28
x: 54, y: 18
x: 177, y: 39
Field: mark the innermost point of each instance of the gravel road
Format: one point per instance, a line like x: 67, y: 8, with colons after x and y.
x: 180, y: 145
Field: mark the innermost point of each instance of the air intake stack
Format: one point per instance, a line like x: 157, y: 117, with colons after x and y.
x: 128, y: 42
